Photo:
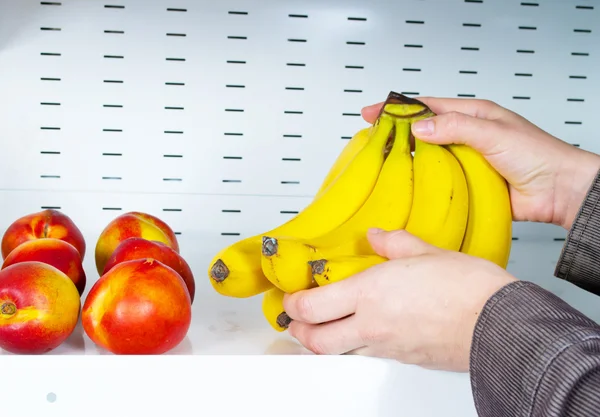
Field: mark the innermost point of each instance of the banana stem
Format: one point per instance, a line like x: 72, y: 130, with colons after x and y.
x: 384, y: 125
x: 403, y: 107
x: 402, y: 130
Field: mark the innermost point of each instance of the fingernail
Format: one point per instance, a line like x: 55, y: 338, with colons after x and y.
x: 375, y: 231
x: 423, y: 127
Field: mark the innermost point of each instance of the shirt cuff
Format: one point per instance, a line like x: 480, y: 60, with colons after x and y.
x: 578, y: 262
x: 520, y: 332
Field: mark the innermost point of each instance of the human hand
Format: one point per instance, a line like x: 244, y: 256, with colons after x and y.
x: 420, y: 307
x: 548, y: 178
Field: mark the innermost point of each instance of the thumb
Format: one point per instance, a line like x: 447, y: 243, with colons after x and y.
x: 370, y: 113
x: 398, y: 244
x: 483, y: 135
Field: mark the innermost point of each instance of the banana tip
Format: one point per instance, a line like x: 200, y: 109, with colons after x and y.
x: 219, y: 271
x: 283, y: 320
x: 269, y: 246
x: 317, y: 267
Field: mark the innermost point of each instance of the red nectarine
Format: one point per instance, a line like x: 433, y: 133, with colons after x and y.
x: 138, y: 307
x: 132, y: 224
x: 46, y: 223
x: 39, y: 308
x: 55, y: 252
x: 139, y: 248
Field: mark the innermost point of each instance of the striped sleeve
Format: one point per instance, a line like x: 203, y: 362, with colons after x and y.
x: 579, y: 262
x: 534, y: 355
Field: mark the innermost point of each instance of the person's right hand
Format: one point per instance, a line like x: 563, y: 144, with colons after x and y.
x: 548, y: 178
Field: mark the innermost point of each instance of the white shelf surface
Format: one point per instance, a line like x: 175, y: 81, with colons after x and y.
x: 226, y: 132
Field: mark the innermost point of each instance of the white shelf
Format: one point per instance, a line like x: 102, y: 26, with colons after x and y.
x: 230, y: 343
x: 95, y: 162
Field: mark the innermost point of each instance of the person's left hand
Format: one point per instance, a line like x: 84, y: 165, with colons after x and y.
x: 420, y: 307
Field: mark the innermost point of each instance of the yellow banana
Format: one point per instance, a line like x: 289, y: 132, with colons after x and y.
x: 328, y: 271
x: 272, y: 308
x: 488, y: 233
x: 353, y: 147
x: 236, y: 270
x: 285, y: 259
x: 285, y: 263
x: 441, y: 201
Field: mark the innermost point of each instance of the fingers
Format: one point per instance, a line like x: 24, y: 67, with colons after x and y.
x: 370, y: 113
x: 484, y: 135
x: 333, y: 338
x: 322, y: 304
x: 339, y: 300
x: 459, y: 121
x: 483, y: 109
x: 398, y: 244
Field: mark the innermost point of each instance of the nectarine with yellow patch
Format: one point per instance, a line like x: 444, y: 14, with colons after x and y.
x: 139, y: 248
x: 55, y: 252
x: 138, y: 307
x: 39, y: 308
x: 46, y: 223
x: 132, y: 224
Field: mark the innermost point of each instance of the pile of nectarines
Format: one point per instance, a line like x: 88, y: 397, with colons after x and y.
x: 141, y: 304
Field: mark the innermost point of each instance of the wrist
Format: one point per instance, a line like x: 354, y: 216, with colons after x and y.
x: 578, y: 173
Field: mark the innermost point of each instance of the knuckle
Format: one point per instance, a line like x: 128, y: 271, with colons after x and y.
x: 304, y: 309
x: 488, y: 104
x: 314, y: 344
x: 488, y: 109
x: 362, y: 295
x: 454, y: 121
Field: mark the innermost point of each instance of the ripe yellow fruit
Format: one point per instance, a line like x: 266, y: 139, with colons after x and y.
x: 352, y: 148
x: 328, y: 271
x: 441, y: 197
x: 488, y: 233
x: 285, y: 259
x: 236, y: 270
x: 272, y: 308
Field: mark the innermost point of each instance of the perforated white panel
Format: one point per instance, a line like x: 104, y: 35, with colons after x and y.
x: 257, y: 98
x: 222, y: 117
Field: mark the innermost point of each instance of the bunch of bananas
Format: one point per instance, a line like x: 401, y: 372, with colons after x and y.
x: 449, y: 196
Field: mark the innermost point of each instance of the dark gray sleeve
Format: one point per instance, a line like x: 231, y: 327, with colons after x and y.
x: 579, y: 262
x: 534, y: 355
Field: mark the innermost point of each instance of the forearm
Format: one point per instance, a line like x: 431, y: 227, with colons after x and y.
x: 534, y: 355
